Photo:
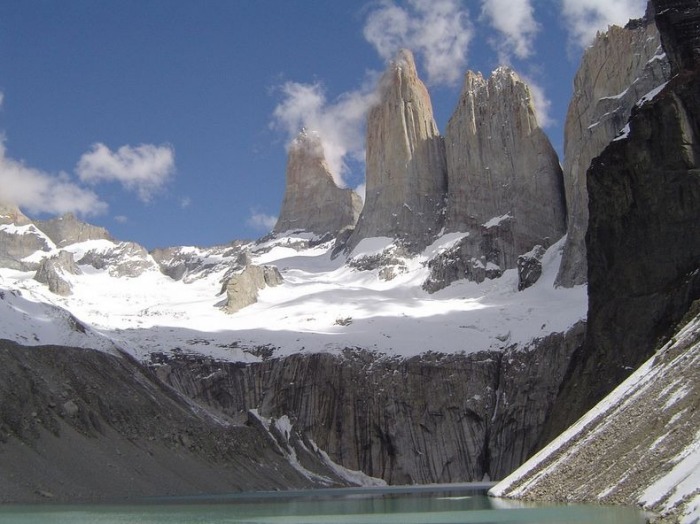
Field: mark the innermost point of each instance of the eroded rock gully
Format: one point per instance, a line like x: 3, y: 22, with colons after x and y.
x: 433, y: 418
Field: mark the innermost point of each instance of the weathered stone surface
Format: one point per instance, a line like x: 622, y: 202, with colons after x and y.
x: 312, y: 200
x: 52, y: 270
x: 19, y: 238
x: 679, y: 24
x: 500, y: 164
x: 242, y: 287
x: 65, y: 410
x: 123, y: 259
x: 189, y: 264
x: 530, y: 267
x: 621, y: 66
x: 433, y: 418
x: 643, y: 242
x: 67, y: 229
x: 405, y: 159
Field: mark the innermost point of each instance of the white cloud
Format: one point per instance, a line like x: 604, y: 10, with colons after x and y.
x: 514, y: 20
x: 185, y: 202
x: 121, y: 219
x: 437, y: 31
x: 144, y: 168
x: 339, y: 123
x: 2, y: 98
x: 261, y: 221
x: 584, y: 18
x: 35, y: 191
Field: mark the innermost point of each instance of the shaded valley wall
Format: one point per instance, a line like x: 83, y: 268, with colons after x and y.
x: 437, y: 418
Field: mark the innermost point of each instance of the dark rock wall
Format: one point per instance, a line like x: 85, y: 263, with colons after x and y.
x: 436, y: 418
x: 643, y: 236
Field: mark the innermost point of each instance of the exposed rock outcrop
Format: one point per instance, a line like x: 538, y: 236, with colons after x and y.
x: 84, y: 425
x: 67, y: 229
x: 191, y: 263
x: 505, y: 185
x: 434, y: 418
x: 123, y: 259
x: 635, y: 447
x: 19, y: 238
x: 621, y: 66
x: 643, y: 241
x: 530, y: 267
x: 312, y: 200
x: 52, y: 272
x: 405, y: 161
x: 242, y: 287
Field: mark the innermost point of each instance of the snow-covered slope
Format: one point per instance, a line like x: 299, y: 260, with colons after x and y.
x: 641, y: 444
x: 372, y: 299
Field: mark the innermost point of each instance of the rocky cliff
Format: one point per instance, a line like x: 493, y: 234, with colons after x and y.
x: 19, y: 238
x: 80, y: 424
x: 434, y: 418
x: 312, y: 200
x: 643, y: 237
x: 67, y: 229
x: 621, y: 66
x: 405, y: 161
x: 505, y: 185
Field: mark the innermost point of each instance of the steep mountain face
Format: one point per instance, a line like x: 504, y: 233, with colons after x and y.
x: 405, y: 161
x: 67, y: 229
x: 312, y: 200
x: 19, y: 238
x: 505, y: 185
x: 639, y: 446
x: 79, y: 424
x: 417, y: 420
x: 620, y: 67
x: 643, y: 236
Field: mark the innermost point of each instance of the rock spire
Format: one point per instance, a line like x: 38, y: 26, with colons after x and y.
x: 405, y: 161
x: 312, y: 200
x: 505, y: 185
x: 621, y: 66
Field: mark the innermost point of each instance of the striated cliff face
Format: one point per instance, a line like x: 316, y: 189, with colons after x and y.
x: 67, y: 229
x: 312, y: 200
x: 643, y: 238
x: 405, y: 159
x: 501, y: 166
x: 434, y: 418
x: 621, y: 66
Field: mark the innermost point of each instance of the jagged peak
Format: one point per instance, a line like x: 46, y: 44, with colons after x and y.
x: 501, y: 78
x: 404, y: 60
x: 308, y: 141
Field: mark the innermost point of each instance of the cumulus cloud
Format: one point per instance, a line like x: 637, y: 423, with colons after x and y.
x: 339, y: 122
x: 144, y: 169
x: 35, y: 191
x: 584, y: 18
x: 515, y: 21
x: 437, y: 31
x: 261, y: 221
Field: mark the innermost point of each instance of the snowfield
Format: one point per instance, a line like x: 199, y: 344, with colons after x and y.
x: 324, y: 305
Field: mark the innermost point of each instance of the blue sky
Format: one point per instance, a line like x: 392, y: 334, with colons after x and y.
x: 166, y: 121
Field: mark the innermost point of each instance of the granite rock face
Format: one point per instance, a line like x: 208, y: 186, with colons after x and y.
x: 434, y: 418
x: 52, y: 270
x: 242, y: 287
x: 405, y: 161
x: 621, y: 66
x: 312, y: 200
x: 503, y: 172
x: 19, y: 238
x: 122, y: 259
x: 643, y: 239
x: 67, y: 229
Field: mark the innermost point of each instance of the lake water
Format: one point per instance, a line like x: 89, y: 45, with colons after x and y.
x: 405, y: 505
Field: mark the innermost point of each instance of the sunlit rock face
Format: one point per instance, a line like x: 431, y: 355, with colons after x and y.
x: 504, y: 181
x: 67, y: 229
x: 619, y: 68
x: 312, y: 200
x: 405, y: 158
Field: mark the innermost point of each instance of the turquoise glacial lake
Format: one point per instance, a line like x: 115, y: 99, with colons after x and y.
x: 398, y: 505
